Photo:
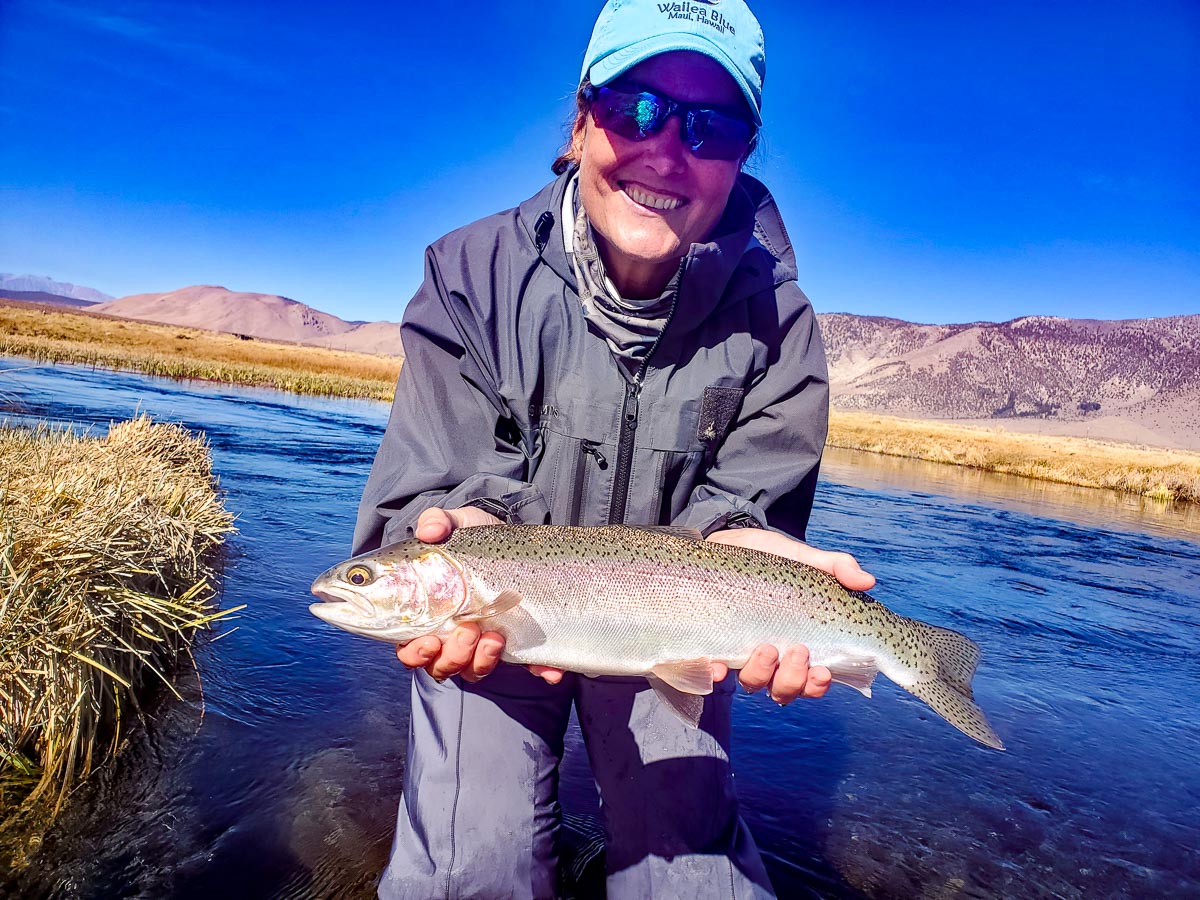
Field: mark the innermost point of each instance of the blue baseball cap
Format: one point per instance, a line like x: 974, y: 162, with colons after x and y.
x: 631, y: 31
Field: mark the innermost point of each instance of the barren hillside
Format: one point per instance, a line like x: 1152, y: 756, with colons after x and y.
x: 219, y: 309
x: 1119, y: 376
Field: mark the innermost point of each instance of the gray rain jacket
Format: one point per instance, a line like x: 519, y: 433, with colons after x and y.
x: 508, y: 401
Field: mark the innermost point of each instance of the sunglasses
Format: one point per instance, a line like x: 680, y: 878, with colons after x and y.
x: 637, y: 114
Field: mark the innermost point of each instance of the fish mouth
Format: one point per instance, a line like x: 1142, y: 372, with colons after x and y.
x: 331, y: 594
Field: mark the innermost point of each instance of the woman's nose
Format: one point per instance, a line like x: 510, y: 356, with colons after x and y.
x: 666, y: 150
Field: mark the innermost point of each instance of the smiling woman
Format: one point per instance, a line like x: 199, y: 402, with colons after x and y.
x: 649, y: 191
x: 629, y: 346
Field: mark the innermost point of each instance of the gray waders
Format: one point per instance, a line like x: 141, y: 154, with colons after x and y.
x: 479, y: 817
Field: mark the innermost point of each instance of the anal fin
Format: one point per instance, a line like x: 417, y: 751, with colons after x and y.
x: 857, y: 672
x: 687, y: 707
x: 692, y: 676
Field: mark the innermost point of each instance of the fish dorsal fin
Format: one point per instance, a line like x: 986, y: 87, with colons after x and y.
x: 687, y: 707
x: 857, y: 672
x: 501, y: 603
x: 692, y: 676
x: 678, y: 531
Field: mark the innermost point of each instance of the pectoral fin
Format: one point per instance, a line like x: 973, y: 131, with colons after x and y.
x: 501, y: 603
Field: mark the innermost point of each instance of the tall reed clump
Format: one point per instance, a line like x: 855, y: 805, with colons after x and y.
x: 109, y: 552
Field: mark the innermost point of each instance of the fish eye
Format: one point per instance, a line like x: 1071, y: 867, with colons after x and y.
x: 358, y: 576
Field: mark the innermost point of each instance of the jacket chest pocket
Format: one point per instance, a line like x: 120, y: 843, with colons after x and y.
x: 675, y: 449
x: 575, y: 473
x: 667, y: 455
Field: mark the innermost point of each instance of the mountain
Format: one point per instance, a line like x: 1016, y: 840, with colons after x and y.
x: 1136, y: 379
x: 219, y: 309
x: 44, y: 285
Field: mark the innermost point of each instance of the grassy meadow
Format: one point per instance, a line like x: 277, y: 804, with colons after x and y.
x: 51, y: 335
x: 46, y: 333
x: 1159, y: 474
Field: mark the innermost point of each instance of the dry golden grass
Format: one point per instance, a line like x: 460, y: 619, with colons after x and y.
x: 1151, y: 472
x: 108, y: 557
x: 53, y: 335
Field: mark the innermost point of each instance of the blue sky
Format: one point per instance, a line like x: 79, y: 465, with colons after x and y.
x: 935, y: 162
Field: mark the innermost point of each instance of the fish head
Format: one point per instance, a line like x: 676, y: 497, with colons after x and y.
x: 394, y: 594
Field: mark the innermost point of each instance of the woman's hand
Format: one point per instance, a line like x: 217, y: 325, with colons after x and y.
x: 792, y: 676
x: 469, y: 651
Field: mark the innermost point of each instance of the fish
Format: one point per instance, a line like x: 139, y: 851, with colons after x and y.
x: 653, y: 601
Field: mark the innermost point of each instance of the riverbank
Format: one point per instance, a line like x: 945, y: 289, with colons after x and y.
x: 1157, y: 473
x: 53, y: 335
x: 108, y: 564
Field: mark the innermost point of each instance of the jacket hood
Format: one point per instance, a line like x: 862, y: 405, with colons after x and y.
x: 750, y: 250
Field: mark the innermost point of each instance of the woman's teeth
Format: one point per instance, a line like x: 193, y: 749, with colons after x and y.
x: 652, y: 200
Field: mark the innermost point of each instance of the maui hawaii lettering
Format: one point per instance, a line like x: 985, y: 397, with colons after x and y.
x: 693, y: 13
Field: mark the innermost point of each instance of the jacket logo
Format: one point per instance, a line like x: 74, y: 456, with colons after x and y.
x: 549, y: 410
x: 717, y: 412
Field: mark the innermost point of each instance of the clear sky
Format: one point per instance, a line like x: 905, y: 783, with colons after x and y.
x: 934, y: 161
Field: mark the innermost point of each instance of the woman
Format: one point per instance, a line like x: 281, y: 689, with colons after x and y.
x: 629, y: 346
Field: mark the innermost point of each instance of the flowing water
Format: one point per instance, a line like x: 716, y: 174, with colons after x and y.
x: 279, y: 774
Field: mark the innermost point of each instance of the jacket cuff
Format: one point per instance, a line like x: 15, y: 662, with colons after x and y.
x: 497, y: 508
x: 736, y: 519
x: 521, y: 507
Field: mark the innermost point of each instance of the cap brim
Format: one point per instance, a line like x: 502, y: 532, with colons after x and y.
x: 620, y: 61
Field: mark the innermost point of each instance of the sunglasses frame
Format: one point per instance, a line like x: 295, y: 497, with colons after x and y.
x: 687, y: 113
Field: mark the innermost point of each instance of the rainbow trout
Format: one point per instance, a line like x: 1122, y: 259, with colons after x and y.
x: 658, y: 602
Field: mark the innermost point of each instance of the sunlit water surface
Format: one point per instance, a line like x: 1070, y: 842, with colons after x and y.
x: 280, y: 778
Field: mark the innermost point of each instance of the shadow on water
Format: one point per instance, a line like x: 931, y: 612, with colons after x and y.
x: 282, y: 780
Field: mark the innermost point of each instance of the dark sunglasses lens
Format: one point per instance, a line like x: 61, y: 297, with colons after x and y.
x: 714, y: 135
x: 637, y: 115
x: 633, y: 116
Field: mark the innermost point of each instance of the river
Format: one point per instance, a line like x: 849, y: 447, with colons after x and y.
x: 278, y: 775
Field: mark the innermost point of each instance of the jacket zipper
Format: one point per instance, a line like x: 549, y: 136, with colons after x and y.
x: 629, y: 420
x: 586, y: 448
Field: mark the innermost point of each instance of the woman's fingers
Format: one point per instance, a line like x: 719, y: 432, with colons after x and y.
x: 434, y: 526
x: 839, y: 564
x: 850, y: 574
x: 796, y: 678
x: 466, y: 652
x: 786, y: 678
x: 760, y: 668
x: 419, y: 652
x: 791, y: 676
x: 486, y: 656
x: 548, y: 674
x: 456, y: 653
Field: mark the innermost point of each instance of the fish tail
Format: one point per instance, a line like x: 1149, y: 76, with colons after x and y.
x: 945, y: 682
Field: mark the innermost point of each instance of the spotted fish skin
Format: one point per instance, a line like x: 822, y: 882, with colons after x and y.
x: 622, y: 600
